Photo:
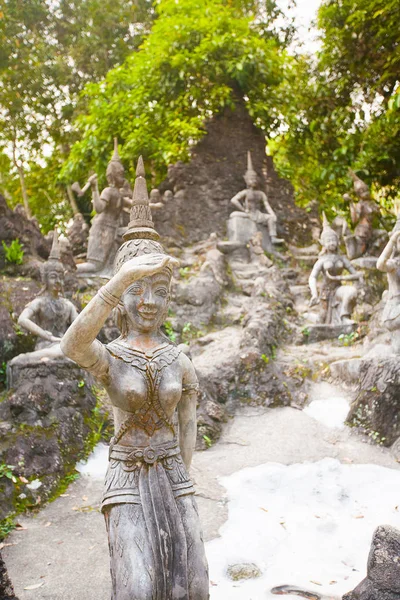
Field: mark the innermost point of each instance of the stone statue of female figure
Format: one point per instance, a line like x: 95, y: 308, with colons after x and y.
x: 109, y: 206
x: 337, y: 300
x: 49, y: 315
x: 155, y: 540
x: 389, y: 262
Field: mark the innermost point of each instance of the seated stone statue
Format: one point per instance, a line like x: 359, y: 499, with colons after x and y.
x: 109, y: 206
x: 389, y: 262
x: 363, y: 214
x: 49, y: 315
x: 337, y: 301
x: 254, y: 204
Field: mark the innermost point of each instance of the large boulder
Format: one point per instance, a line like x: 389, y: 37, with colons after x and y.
x: 383, y: 569
x: 376, y: 407
x: 47, y: 422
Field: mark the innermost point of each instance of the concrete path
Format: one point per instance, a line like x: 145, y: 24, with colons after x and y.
x: 64, y: 548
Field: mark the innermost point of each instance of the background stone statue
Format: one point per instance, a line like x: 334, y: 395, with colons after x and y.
x: 337, y: 301
x: 49, y: 315
x: 156, y: 547
x: 109, y: 205
x: 389, y: 262
x: 254, y: 203
x: 363, y: 214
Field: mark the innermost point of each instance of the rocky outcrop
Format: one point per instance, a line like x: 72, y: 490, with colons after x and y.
x: 383, y: 569
x: 47, y: 421
x: 14, y: 224
x: 377, y: 405
x: 204, y: 186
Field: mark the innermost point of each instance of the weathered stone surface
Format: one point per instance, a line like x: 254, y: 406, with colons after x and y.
x: 383, y: 570
x: 47, y: 417
x: 15, y: 225
x: 320, y: 332
x: 202, y: 188
x: 243, y: 571
x: 6, y: 588
x: 376, y: 407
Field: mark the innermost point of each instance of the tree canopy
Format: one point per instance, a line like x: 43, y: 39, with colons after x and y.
x: 344, y: 108
x: 74, y: 74
x: 197, y: 59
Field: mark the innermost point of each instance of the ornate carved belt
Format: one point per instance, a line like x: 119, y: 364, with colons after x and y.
x: 147, y: 454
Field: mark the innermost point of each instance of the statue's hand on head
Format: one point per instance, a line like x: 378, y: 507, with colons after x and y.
x: 143, y: 266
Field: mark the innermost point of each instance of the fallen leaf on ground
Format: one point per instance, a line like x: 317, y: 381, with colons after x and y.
x: 64, y: 495
x: 19, y: 527
x: 23, y: 479
x: 47, y: 524
x: 34, y: 586
x: 84, y: 498
x: 264, y: 509
x: 315, y: 582
x: 332, y: 582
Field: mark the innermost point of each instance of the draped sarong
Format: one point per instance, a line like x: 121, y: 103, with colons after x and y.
x: 156, y: 546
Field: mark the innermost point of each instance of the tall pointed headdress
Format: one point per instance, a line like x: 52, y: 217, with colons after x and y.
x: 327, y: 230
x: 140, y: 237
x: 115, y: 165
x: 250, y: 168
x: 54, y: 263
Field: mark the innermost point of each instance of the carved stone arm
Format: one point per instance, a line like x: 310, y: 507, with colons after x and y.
x: 79, y: 342
x: 267, y: 205
x: 187, y: 413
x: 236, y: 200
x: 25, y: 321
x: 383, y: 263
x: 313, y: 279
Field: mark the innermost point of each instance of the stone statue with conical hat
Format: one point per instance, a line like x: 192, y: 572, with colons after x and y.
x: 49, y: 315
x: 389, y: 262
x: 109, y: 207
x: 155, y: 540
x: 337, y: 301
x: 253, y: 205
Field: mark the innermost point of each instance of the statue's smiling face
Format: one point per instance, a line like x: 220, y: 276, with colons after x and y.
x: 55, y: 281
x: 146, y: 302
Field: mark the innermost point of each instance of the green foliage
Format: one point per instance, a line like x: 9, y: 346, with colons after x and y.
x: 6, y: 527
x: 13, y: 253
x: 348, y: 339
x: 169, y: 330
x: 7, y: 471
x: 343, y: 109
x: 208, y: 441
x: 199, y: 58
x: 48, y: 51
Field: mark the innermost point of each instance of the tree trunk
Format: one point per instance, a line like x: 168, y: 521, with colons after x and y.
x: 23, y: 191
x: 72, y: 201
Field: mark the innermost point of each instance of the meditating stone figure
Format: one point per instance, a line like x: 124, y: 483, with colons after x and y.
x: 389, y: 262
x: 49, y: 315
x: 155, y: 540
x: 109, y: 205
x: 253, y: 205
x: 337, y: 301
